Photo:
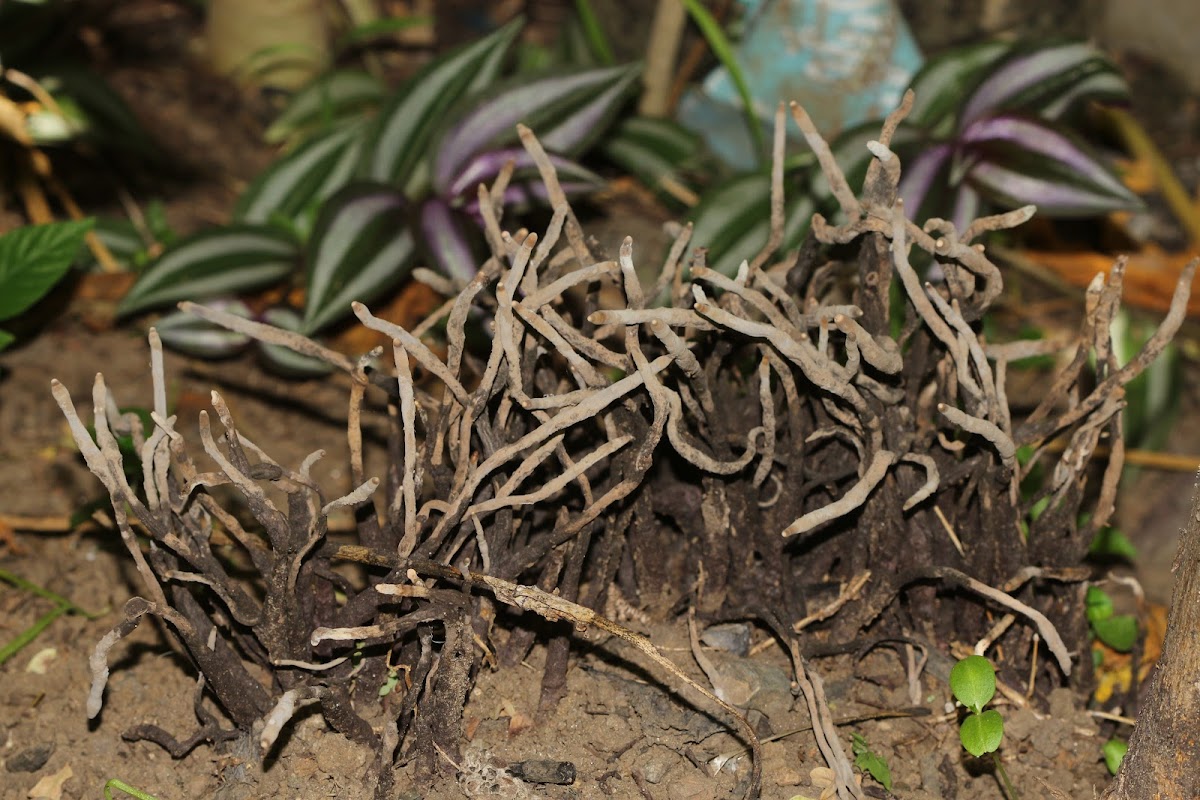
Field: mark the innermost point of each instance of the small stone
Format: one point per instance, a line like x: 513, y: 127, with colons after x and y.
x: 732, y: 637
x: 656, y: 769
x: 544, y: 771
x: 31, y: 759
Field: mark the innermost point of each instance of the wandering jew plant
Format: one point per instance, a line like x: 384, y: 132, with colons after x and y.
x: 994, y: 127
x: 768, y: 429
x: 358, y: 197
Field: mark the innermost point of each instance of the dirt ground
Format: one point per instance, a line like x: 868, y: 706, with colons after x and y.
x: 628, y: 731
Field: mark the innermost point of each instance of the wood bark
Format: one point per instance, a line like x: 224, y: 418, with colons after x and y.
x: 1163, y: 762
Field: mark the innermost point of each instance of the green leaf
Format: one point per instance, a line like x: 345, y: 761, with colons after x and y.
x: 594, y: 31
x: 6, y: 339
x: 1018, y: 160
x: 283, y: 360
x: 1114, y: 753
x: 566, y: 109
x: 33, y: 259
x: 200, y: 338
x: 305, y: 177
x: 941, y: 86
x: 733, y: 221
x: 656, y: 151
x: 1110, y: 542
x: 1119, y: 632
x: 982, y: 733
x: 973, y: 682
x: 223, y: 261
x: 869, y: 762
x: 1046, y: 79
x: 1099, y: 605
x: 361, y: 245
x: 324, y: 101
x: 406, y: 123
x: 723, y: 50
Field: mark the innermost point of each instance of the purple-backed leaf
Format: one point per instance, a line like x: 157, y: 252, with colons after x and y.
x: 1033, y: 78
x: 198, y: 337
x: 446, y: 242
x: 408, y: 120
x: 968, y: 205
x: 1107, y: 86
x: 583, y: 127
x: 521, y: 197
x: 484, y: 168
x: 921, y: 176
x: 1013, y: 158
x: 360, y: 246
x: 283, y: 360
x: 940, y: 85
x: 303, y: 177
x: 329, y: 99
x: 540, y: 104
x: 234, y: 258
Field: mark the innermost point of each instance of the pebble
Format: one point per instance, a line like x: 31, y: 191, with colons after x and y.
x: 31, y: 759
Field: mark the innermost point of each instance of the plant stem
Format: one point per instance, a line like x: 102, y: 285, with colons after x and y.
x: 723, y: 50
x: 1009, y: 790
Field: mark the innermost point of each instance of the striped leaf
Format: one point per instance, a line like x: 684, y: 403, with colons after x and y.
x: 1017, y: 160
x: 198, y: 337
x: 565, y: 110
x: 285, y: 361
x: 303, y: 178
x: 733, y: 221
x: 486, y: 166
x: 940, y: 86
x: 360, y: 246
x: 444, y: 238
x: 408, y: 120
x: 656, y: 151
x: 1034, y: 78
x: 229, y: 260
x: 326, y: 101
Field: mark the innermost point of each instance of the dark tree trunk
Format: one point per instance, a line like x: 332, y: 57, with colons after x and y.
x: 1164, y: 751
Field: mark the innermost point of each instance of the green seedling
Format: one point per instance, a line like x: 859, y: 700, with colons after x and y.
x: 870, y: 762
x: 127, y: 789
x: 1118, y: 631
x: 1114, y: 753
x: 973, y: 682
x: 61, y: 606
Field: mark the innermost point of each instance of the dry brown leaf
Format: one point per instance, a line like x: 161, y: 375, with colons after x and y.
x: 1150, y: 277
x: 51, y: 786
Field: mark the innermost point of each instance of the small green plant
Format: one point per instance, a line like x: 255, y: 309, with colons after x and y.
x: 61, y: 606
x: 32, y: 260
x: 121, y: 786
x: 1114, y: 751
x: 973, y: 682
x: 870, y: 762
x: 1118, y: 631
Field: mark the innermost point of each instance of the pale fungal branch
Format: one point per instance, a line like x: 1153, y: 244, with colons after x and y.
x: 415, y: 348
x: 775, y: 237
x: 1005, y: 448
x: 270, y: 335
x: 1047, y: 630
x: 931, y: 480
x: 829, y: 167
x: 854, y: 497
